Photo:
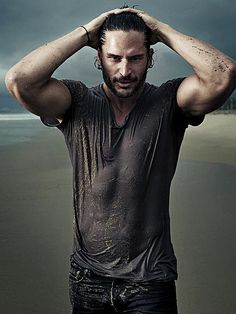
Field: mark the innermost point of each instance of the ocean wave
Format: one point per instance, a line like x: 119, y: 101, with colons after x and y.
x: 18, y: 116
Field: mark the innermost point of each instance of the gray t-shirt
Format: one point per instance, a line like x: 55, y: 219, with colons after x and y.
x: 121, y: 180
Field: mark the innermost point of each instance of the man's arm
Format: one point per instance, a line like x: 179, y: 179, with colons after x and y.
x: 30, y: 80
x: 214, y: 77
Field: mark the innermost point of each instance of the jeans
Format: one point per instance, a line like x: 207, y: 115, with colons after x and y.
x: 91, y: 293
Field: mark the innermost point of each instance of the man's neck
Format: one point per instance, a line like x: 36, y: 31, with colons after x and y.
x: 122, y: 106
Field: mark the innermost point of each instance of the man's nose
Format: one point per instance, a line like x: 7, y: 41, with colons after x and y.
x: 125, y: 69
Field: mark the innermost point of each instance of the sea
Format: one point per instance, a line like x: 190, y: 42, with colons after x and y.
x: 17, y: 125
x: 10, y: 109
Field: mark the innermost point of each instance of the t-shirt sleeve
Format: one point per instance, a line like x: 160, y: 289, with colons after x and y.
x: 78, y: 93
x: 179, y: 117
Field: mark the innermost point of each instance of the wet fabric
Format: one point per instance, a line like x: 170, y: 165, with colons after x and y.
x: 91, y: 293
x: 121, y: 180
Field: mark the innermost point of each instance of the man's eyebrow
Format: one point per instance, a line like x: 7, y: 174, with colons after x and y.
x: 112, y: 55
x: 140, y: 55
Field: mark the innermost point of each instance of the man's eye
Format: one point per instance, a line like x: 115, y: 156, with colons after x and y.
x: 115, y: 58
x: 136, y: 58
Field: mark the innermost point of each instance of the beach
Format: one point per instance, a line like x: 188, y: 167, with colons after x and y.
x: 36, y: 218
x: 203, y: 215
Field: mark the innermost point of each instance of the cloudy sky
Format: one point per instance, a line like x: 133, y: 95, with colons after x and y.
x: 27, y: 24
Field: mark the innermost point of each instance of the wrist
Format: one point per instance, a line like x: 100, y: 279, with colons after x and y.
x: 87, y: 35
x: 77, y: 38
x: 162, y: 30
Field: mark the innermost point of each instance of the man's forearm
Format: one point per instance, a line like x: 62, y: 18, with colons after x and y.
x: 35, y: 69
x: 209, y: 64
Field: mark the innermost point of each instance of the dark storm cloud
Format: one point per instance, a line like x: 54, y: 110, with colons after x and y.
x: 26, y: 25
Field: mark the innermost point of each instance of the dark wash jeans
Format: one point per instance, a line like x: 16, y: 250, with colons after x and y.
x: 91, y: 293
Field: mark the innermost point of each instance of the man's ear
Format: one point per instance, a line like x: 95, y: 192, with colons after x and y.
x: 97, y: 62
x: 99, y: 54
x: 150, y: 58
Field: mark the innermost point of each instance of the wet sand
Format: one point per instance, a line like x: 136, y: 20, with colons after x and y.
x: 203, y: 210
x: 36, y: 220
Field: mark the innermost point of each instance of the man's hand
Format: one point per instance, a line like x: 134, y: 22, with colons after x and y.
x: 151, y: 22
x: 94, y: 26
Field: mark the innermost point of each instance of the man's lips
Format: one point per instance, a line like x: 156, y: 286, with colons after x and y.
x: 125, y: 83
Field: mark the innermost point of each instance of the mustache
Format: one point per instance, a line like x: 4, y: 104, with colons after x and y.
x: 125, y: 79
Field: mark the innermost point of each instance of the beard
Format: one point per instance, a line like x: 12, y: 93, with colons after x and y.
x: 137, y: 84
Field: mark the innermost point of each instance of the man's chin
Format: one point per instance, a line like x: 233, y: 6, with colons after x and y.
x: 125, y: 92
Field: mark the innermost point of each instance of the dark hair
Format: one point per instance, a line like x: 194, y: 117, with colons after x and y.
x: 125, y: 21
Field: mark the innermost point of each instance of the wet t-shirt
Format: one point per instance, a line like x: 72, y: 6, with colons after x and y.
x: 121, y: 180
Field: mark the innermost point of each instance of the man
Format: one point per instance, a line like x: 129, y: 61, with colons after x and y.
x: 123, y: 137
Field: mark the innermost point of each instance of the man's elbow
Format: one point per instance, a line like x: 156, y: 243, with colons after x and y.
x: 17, y: 85
x: 224, y: 87
x: 14, y: 83
x: 232, y: 73
x: 227, y: 81
x: 11, y: 81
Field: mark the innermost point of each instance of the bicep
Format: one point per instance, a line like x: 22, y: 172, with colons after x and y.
x: 197, y: 98
x: 51, y: 100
